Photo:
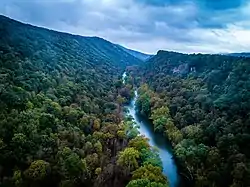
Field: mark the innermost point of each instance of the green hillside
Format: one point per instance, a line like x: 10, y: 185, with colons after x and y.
x: 142, y: 56
x: 201, y: 103
x: 61, y: 122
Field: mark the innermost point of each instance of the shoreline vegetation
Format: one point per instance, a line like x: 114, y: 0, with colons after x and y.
x: 61, y: 113
x: 200, y: 103
x: 150, y: 156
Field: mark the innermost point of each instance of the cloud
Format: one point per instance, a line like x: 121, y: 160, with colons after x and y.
x: 208, y: 26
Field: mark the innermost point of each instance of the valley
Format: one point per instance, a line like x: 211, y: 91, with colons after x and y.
x: 82, y: 111
x: 156, y: 140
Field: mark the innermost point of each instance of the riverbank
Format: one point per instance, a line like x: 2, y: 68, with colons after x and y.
x: 156, y: 140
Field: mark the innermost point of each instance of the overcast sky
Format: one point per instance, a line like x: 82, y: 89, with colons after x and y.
x: 207, y: 26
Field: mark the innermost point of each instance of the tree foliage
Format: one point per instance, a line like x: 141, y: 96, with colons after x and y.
x: 201, y: 103
x: 61, y: 100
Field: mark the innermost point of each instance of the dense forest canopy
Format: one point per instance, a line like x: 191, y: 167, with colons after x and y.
x: 201, y: 103
x: 61, y: 120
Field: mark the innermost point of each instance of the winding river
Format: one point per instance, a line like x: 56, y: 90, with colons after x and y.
x: 156, y: 140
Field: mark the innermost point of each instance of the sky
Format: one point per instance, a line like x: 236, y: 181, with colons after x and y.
x: 190, y: 26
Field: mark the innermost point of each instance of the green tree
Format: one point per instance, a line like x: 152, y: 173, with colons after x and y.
x: 139, y: 143
x: 145, y: 183
x: 37, y: 171
x: 17, y: 178
x: 128, y: 159
x: 71, y: 166
x: 151, y: 173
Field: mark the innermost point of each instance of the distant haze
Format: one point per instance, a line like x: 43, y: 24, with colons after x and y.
x: 205, y: 26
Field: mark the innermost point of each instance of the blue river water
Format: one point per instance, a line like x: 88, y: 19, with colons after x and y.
x: 155, y: 139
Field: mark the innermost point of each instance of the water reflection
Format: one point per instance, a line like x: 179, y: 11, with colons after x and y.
x: 157, y: 140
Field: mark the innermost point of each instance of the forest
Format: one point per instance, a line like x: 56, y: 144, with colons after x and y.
x: 61, y: 120
x: 62, y: 103
x: 201, y: 104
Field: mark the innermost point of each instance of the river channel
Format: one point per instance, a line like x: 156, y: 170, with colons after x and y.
x: 155, y: 139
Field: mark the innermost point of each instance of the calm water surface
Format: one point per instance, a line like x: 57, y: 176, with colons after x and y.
x: 155, y: 139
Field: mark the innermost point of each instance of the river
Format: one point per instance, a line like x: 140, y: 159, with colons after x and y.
x: 156, y: 140
x: 124, y: 75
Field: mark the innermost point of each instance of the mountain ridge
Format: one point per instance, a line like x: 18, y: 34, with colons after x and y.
x: 240, y: 54
x: 207, y: 101
x: 140, y: 55
x: 61, y: 117
x: 98, y: 45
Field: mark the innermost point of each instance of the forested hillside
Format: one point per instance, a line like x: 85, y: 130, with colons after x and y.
x: 245, y: 54
x: 62, y: 123
x: 60, y: 113
x: 201, y: 103
x: 139, y: 55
